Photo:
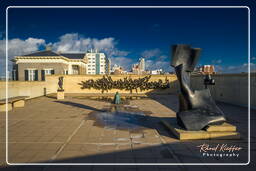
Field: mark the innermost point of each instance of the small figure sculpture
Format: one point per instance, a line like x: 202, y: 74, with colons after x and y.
x: 60, y: 83
x: 117, y: 99
x: 197, y: 108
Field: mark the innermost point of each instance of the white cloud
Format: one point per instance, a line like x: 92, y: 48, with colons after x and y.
x: 151, y: 53
x: 125, y: 62
x: 17, y: 47
x: 74, y: 42
x: 236, y: 68
x: 155, y: 59
x: 70, y: 42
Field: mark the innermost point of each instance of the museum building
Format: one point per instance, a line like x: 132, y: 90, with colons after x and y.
x: 35, y: 66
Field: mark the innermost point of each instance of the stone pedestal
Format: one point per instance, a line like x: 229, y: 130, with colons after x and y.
x: 60, y: 95
x: 223, y: 131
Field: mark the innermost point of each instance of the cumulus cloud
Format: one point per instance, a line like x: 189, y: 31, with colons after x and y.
x: 74, y: 42
x: 158, y: 64
x: 17, y: 47
x: 125, y: 62
x: 70, y: 42
x: 151, y: 53
x: 156, y: 59
x: 235, y: 68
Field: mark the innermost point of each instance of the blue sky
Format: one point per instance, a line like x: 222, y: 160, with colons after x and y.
x: 128, y: 34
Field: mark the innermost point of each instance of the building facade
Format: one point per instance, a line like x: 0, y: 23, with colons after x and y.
x: 35, y: 66
x: 139, y: 68
x: 97, y: 62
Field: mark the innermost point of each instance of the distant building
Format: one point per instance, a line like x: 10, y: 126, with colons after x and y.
x: 97, y: 62
x: 108, y: 65
x: 205, y: 69
x: 156, y: 72
x: 139, y: 68
x: 116, y: 70
x: 142, y: 64
x: 35, y: 66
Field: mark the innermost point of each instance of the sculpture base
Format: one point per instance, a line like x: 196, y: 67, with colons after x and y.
x: 60, y: 95
x: 222, y: 131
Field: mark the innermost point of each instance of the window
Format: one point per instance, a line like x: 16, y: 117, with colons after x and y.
x: 31, y: 75
x: 89, y: 65
x: 48, y: 71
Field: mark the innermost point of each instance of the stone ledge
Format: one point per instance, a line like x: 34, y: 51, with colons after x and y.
x: 182, y: 134
x: 223, y: 128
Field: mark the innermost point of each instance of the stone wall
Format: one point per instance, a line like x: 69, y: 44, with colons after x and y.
x: 71, y: 82
x: 230, y: 88
x: 27, y: 88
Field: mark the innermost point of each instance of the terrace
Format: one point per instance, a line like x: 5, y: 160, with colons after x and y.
x: 47, y: 130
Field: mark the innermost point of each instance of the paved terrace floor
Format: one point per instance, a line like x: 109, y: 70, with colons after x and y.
x: 50, y: 131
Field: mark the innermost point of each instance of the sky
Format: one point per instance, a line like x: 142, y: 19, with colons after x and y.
x: 126, y: 34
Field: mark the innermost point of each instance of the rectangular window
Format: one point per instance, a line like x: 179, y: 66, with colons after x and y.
x: 31, y: 75
x: 49, y: 71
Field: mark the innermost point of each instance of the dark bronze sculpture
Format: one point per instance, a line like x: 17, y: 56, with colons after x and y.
x: 106, y: 83
x: 197, y: 108
x: 60, y: 83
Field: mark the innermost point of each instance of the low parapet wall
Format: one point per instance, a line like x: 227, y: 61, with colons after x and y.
x: 71, y: 82
x: 31, y: 89
x: 230, y: 88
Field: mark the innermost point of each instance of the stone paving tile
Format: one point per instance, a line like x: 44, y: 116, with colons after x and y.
x: 36, y: 135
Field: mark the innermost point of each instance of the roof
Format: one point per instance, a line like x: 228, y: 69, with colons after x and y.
x: 43, y: 53
x: 51, y: 53
x: 73, y: 55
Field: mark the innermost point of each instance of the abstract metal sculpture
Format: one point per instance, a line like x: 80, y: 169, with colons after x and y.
x: 197, y: 108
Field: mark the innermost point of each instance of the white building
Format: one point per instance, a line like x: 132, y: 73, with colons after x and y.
x: 96, y: 62
x: 156, y: 72
x: 142, y: 64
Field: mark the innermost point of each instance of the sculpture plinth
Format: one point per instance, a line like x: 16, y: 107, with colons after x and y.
x: 60, y: 94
